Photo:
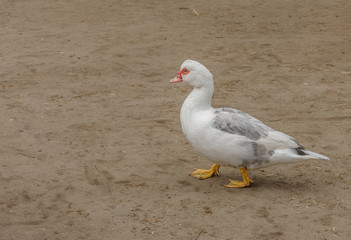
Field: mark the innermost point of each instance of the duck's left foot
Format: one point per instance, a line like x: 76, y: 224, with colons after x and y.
x: 238, y: 184
x: 204, y: 173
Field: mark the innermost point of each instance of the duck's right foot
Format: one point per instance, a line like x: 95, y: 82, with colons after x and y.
x: 240, y: 184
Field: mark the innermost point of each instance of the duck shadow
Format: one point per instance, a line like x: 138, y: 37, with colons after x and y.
x: 260, y: 183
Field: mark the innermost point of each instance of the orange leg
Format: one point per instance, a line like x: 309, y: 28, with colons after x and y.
x: 238, y: 184
x: 203, y: 173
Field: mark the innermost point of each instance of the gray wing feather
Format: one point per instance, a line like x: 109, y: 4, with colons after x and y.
x: 237, y: 122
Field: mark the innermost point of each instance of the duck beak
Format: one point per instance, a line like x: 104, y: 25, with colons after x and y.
x: 178, y: 78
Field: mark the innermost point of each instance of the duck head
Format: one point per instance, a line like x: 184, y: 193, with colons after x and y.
x: 193, y: 73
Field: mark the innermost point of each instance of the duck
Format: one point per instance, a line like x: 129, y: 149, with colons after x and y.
x: 230, y: 137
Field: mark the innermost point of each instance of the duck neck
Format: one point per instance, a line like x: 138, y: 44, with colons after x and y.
x: 200, y: 98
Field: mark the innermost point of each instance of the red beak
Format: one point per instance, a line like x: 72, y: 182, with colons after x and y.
x: 178, y: 78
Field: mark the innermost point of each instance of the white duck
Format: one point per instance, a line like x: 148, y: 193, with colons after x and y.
x: 228, y: 136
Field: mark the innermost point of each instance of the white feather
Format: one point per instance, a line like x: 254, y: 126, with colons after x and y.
x: 229, y: 136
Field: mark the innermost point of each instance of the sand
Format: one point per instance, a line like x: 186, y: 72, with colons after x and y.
x: 90, y: 141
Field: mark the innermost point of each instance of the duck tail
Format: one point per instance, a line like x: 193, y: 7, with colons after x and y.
x: 313, y: 154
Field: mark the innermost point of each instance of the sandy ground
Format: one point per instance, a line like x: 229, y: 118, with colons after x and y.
x: 90, y: 139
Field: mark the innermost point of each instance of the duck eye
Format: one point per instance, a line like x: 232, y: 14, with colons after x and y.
x: 185, y: 71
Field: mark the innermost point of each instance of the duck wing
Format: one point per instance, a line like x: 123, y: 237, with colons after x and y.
x: 234, y: 121
x: 262, y: 137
